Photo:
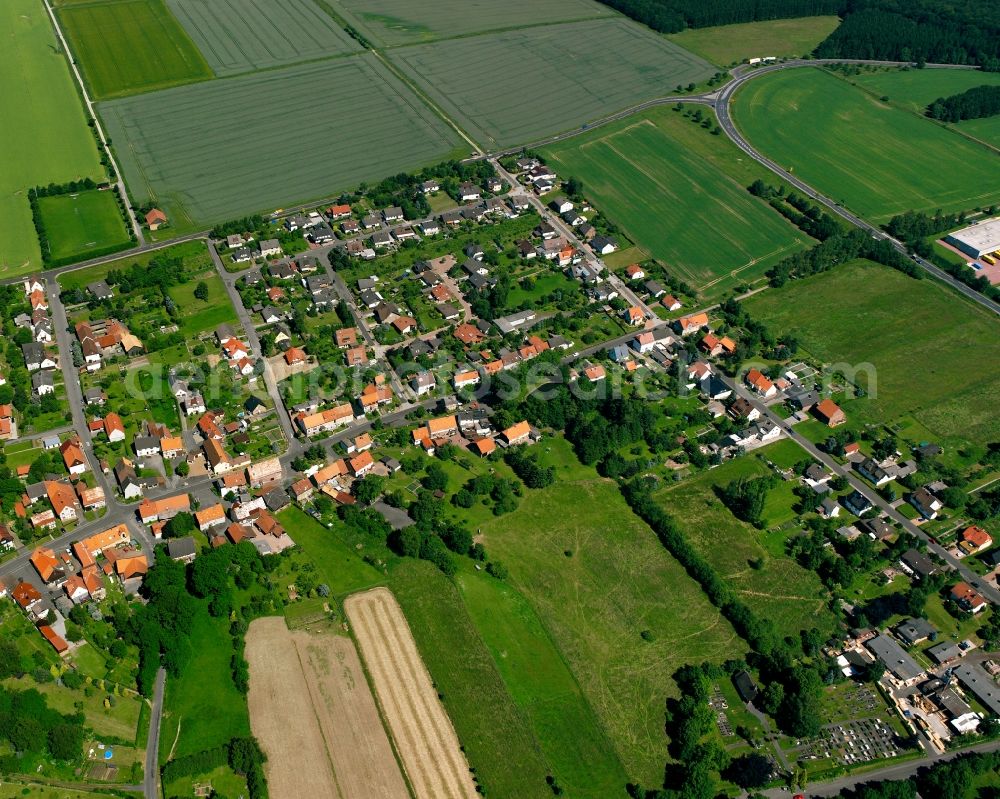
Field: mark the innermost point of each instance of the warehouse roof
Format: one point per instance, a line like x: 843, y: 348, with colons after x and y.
x: 983, y: 237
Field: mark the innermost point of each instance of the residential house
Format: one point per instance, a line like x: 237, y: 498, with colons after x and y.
x: 925, y: 502
x: 968, y: 598
x: 829, y: 413
x: 162, y: 509
x: 688, y: 325
x: 757, y: 381
x: 182, y: 549
x: 73, y: 457
x: 974, y: 539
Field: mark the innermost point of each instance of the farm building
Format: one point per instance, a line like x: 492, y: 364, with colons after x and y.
x: 977, y: 240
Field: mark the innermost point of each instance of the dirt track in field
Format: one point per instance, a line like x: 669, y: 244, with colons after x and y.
x: 315, y: 717
x: 424, y: 736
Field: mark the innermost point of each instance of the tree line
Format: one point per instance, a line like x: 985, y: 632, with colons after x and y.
x: 921, y: 31
x: 671, y: 16
x: 914, y: 228
x: 975, y: 103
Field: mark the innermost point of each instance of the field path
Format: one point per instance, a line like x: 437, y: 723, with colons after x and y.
x: 424, y: 736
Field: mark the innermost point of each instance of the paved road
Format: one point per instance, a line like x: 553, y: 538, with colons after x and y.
x: 567, y: 233
x: 898, y: 772
x: 119, y: 181
x: 74, y: 392
x: 229, y: 281
x: 722, y: 109
x: 989, y: 591
x: 151, y: 781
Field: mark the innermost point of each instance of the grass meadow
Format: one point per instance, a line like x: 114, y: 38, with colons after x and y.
x: 194, y: 253
x: 572, y: 740
x: 79, y: 224
x: 201, y: 316
x: 518, y: 86
x: 597, y: 578
x: 244, y: 35
x: 203, y: 708
x: 780, y: 589
x: 915, y: 89
x: 680, y: 193
x: 931, y: 349
x: 395, y: 22
x: 199, y: 151
x: 875, y: 159
x: 45, y: 133
x: 495, y: 734
x: 131, y: 46
x: 732, y: 44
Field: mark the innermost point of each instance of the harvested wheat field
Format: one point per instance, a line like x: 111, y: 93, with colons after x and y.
x: 315, y: 717
x: 424, y: 736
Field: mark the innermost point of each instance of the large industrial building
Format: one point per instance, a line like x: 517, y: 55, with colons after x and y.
x: 977, y: 240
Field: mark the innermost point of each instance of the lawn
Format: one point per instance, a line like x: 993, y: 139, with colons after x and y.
x: 915, y: 89
x: 495, y: 733
x: 572, y: 740
x: 45, y: 134
x: 772, y: 585
x: 194, y: 253
x: 875, y: 159
x: 598, y: 578
x: 199, y: 316
x: 119, y: 721
x: 680, y: 193
x: 395, y: 22
x: 79, y: 225
x: 731, y: 44
x: 244, y: 35
x: 202, y: 708
x: 926, y: 344
x: 197, y: 150
x: 337, y: 564
x: 613, y: 64
x: 131, y: 46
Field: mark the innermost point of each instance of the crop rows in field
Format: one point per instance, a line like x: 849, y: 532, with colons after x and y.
x: 518, y: 86
x: 221, y: 149
x: 393, y: 22
x: 131, y: 46
x: 243, y: 35
x: 677, y: 204
x: 875, y: 159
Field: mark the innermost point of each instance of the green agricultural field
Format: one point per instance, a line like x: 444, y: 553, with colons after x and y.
x: 131, y: 46
x: 394, y: 22
x: 915, y: 89
x: 929, y: 348
x: 80, y: 224
x: 680, y: 193
x: 731, y: 44
x: 45, y: 134
x: 521, y: 85
x: 575, y: 745
x: 244, y: 35
x: 597, y: 578
x: 875, y: 159
x: 780, y: 589
x: 198, y: 150
x: 202, y: 708
x: 494, y: 732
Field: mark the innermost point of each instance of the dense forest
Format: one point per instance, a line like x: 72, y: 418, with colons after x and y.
x: 945, y: 31
x: 977, y: 102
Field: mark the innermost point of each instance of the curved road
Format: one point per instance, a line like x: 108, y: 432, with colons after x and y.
x: 722, y: 110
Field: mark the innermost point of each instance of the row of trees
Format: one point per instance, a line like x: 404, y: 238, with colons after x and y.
x: 956, y: 32
x: 838, y: 249
x: 807, y: 216
x: 975, y: 103
x: 670, y: 16
x: 242, y: 755
x: 914, y: 228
